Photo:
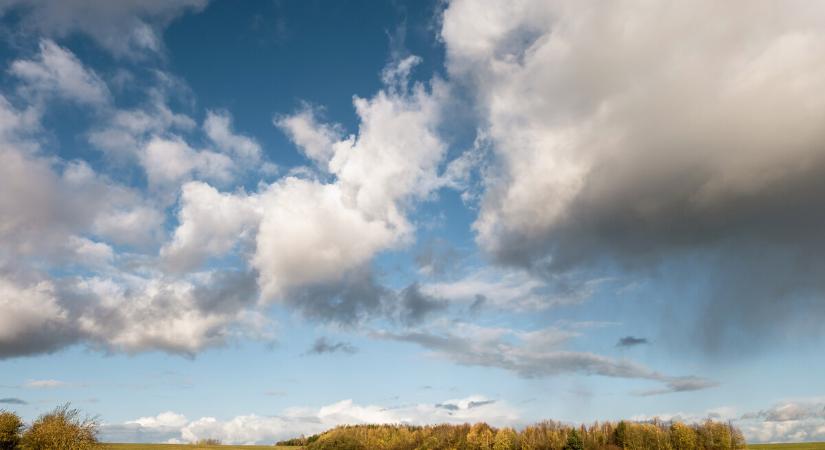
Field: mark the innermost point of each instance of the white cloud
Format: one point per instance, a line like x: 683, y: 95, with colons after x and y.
x: 211, y: 223
x: 167, y: 419
x: 57, y: 71
x: 168, y: 162
x: 44, y: 384
x: 310, y: 233
x: 293, y: 422
x: 218, y: 127
x: 316, y: 140
x: 125, y: 132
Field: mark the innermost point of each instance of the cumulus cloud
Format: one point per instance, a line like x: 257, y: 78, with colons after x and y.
x: 128, y: 313
x: 293, y: 422
x: 534, y: 354
x: 130, y: 28
x: 635, y: 134
x: 323, y: 345
x: 314, y: 239
x: 57, y: 71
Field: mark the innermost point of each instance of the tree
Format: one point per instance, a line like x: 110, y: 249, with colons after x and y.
x: 505, y: 439
x: 61, y: 429
x: 574, y: 441
x: 620, y: 434
x: 481, y: 436
x: 682, y: 437
x: 10, y: 428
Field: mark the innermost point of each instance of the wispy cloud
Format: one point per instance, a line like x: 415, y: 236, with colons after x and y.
x: 44, y: 384
x: 322, y: 345
x: 631, y: 341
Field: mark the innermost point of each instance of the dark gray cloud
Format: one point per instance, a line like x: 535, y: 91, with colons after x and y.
x: 355, y: 298
x: 322, y: 346
x: 631, y: 341
x: 477, y: 305
x: 12, y: 401
x: 360, y: 296
x: 681, y: 384
x: 414, y: 305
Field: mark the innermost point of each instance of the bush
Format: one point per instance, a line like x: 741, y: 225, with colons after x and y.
x: 61, y: 429
x: 10, y: 428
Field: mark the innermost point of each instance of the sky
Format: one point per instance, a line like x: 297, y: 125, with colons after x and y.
x: 254, y: 220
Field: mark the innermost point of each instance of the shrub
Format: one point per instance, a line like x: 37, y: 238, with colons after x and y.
x: 61, y: 429
x: 10, y: 428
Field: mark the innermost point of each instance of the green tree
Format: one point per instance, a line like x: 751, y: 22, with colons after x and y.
x: 620, y: 434
x: 574, y: 441
x: 10, y: 428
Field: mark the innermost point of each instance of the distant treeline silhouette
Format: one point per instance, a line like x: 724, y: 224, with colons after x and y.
x: 547, y: 435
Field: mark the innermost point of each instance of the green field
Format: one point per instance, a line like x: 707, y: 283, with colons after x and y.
x: 806, y: 446
x: 193, y: 447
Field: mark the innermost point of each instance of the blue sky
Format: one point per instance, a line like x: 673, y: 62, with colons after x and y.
x: 248, y: 221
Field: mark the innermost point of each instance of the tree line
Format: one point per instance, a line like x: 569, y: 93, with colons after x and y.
x: 547, y: 435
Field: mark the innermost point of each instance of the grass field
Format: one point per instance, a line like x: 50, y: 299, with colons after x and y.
x: 806, y: 446
x: 193, y: 447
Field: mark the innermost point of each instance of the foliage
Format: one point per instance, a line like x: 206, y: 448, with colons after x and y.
x: 61, y: 429
x: 10, y: 428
